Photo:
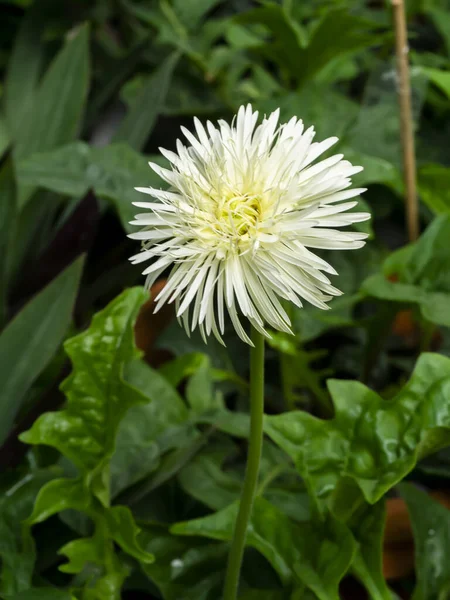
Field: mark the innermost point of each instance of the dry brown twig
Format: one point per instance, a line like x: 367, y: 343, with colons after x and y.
x: 406, y: 119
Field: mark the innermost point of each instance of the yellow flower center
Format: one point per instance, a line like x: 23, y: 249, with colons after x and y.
x: 239, y: 213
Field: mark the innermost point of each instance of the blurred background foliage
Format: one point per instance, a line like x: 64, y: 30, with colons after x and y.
x: 89, y: 91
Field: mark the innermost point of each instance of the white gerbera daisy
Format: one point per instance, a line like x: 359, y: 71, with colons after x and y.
x: 244, y: 205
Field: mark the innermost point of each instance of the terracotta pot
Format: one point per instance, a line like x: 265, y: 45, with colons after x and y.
x: 149, y: 326
x: 405, y: 327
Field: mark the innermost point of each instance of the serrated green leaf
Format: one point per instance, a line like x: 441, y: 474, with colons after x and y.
x: 32, y: 338
x: 316, y: 554
x: 98, y: 396
x: 112, y: 172
x: 59, y: 495
x: 431, y: 527
x: 371, y: 444
x: 107, y: 587
x: 124, y: 531
x: 82, y: 551
x: 63, y: 494
x: 139, y: 122
x: 16, y: 544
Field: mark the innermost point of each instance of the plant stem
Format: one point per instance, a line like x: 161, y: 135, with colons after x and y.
x: 406, y: 120
x: 252, y: 469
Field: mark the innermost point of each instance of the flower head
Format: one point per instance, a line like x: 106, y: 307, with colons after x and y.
x: 244, y: 206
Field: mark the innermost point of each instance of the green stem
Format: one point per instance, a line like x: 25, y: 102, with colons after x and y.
x: 252, y: 469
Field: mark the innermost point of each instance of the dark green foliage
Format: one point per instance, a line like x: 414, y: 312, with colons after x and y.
x: 121, y: 476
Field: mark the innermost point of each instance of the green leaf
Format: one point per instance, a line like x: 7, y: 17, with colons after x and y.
x: 211, y: 480
x: 441, y: 21
x: 147, y: 431
x: 371, y: 444
x: 172, y: 409
x: 136, y: 454
x: 113, y: 172
x: 30, y: 341
x: 327, y: 43
x: 422, y: 271
x: 59, y: 495
x: 310, y: 322
x: 7, y: 226
x: 434, y: 188
x: 204, y: 480
x: 440, y: 78
x: 367, y: 526
x: 316, y: 554
x: 191, y: 12
x: 25, y: 65
x: 288, y: 35
x: 42, y: 594
x: 186, y: 447
x: 4, y: 136
x: 55, y: 116
x: 63, y: 494
x: 81, y: 552
x: 123, y: 530
x: 107, y: 587
x: 200, y: 391
x: 138, y: 123
x: 184, y: 568
x: 56, y: 113
x: 98, y: 397
x: 181, y: 367
x: 329, y: 111
x: 263, y: 595
x: 304, y: 60
x: 376, y: 170
x: 431, y: 527
x: 234, y: 423
x: 16, y: 544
